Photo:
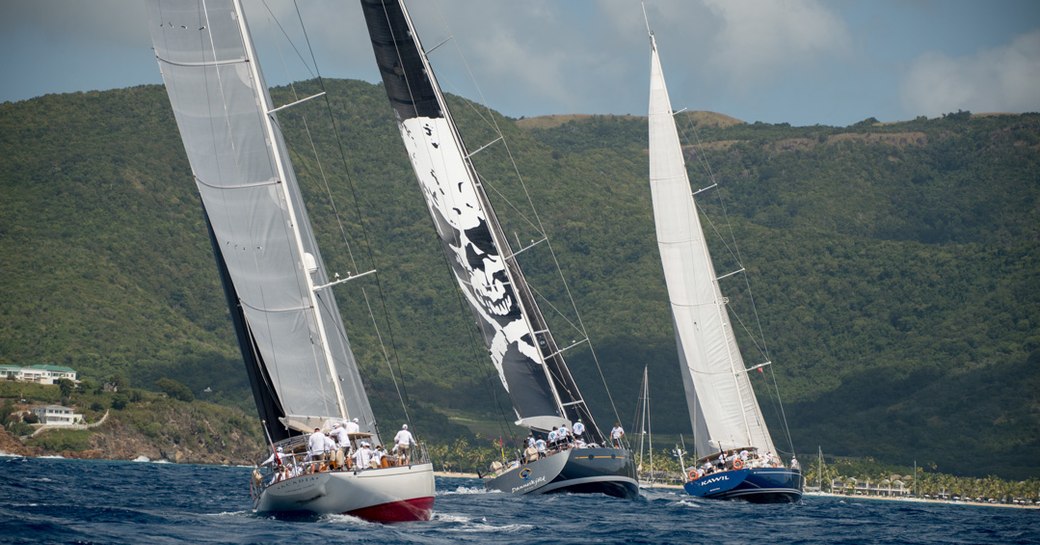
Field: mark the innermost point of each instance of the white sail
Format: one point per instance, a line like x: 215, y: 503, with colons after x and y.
x: 267, y: 253
x: 722, y: 404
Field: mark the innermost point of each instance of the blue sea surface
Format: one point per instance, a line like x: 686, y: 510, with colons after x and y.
x: 47, y: 500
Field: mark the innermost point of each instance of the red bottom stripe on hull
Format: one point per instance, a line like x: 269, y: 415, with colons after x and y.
x: 398, y: 511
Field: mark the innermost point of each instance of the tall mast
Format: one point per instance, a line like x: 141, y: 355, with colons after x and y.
x: 272, y: 136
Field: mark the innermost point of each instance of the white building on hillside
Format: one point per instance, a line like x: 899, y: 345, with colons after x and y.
x: 40, y: 374
x: 57, y: 415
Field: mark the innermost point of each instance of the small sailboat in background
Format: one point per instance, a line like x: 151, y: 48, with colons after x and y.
x: 525, y: 354
x: 737, y: 458
x: 302, y: 370
x: 645, y: 468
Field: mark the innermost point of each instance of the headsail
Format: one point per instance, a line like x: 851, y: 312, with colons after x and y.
x: 722, y: 403
x: 523, y: 351
x: 290, y: 332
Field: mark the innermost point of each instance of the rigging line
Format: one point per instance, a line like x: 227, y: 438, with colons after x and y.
x: 509, y: 203
x: 750, y: 334
x: 270, y: 150
x: 538, y: 222
x: 475, y: 358
x: 357, y: 205
x: 386, y: 357
x: 556, y: 310
x: 458, y: 294
x: 735, y: 252
x: 328, y: 192
x: 288, y: 39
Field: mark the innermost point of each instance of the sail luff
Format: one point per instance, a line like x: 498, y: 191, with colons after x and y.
x: 722, y: 404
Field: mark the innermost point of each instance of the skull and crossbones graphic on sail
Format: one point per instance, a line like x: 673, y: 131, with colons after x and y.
x: 462, y: 226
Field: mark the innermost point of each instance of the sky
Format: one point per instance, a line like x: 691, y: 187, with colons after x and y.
x: 803, y: 62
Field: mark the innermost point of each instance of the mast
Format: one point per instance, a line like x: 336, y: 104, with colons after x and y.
x: 645, y: 427
x: 264, y: 100
x: 522, y: 349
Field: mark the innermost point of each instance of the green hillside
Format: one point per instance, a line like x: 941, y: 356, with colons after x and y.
x: 895, y: 267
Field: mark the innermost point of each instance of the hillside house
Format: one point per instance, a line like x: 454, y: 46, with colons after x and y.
x: 57, y: 415
x: 39, y: 374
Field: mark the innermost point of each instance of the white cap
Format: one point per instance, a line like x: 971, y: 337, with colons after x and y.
x: 355, y: 420
x: 404, y: 427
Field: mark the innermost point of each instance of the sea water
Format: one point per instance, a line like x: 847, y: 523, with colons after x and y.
x: 47, y: 500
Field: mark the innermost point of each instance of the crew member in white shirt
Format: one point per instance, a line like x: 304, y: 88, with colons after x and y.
x: 315, y: 446
x: 363, y: 456
x: 579, y: 429
x: 616, y: 433
x: 376, y: 461
x: 403, y: 443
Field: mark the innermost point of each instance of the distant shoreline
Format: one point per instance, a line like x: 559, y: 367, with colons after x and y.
x: 921, y: 500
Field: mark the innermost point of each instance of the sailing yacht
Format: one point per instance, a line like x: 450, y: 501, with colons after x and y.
x: 523, y: 351
x: 737, y: 455
x: 301, y: 368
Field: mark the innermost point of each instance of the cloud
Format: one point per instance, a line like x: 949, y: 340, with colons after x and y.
x: 524, y: 53
x: 759, y: 39
x: 111, y: 22
x: 1004, y: 79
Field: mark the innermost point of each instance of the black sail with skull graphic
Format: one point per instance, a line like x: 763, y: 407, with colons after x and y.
x: 521, y: 348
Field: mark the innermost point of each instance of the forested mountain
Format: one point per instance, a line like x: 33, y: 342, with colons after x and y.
x: 895, y: 266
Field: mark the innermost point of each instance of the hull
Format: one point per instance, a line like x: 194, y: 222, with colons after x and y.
x: 607, y: 471
x: 758, y: 485
x: 396, y: 494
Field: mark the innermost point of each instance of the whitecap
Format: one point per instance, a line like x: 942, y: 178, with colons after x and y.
x: 464, y: 490
x: 448, y: 517
x: 345, y: 519
x: 228, y: 514
x: 505, y: 528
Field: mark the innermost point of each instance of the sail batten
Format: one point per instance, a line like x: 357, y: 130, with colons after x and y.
x: 721, y: 401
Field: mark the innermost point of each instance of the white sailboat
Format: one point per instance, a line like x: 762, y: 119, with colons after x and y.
x: 300, y: 365
x: 737, y: 455
x: 529, y: 362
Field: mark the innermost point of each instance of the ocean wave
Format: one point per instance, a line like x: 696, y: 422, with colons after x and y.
x: 463, y: 490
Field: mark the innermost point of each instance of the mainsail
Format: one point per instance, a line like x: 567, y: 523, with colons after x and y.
x: 523, y: 351
x: 288, y: 324
x: 721, y: 401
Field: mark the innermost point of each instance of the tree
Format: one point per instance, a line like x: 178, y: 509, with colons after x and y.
x: 67, y: 387
x: 175, y: 389
x: 119, y: 402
